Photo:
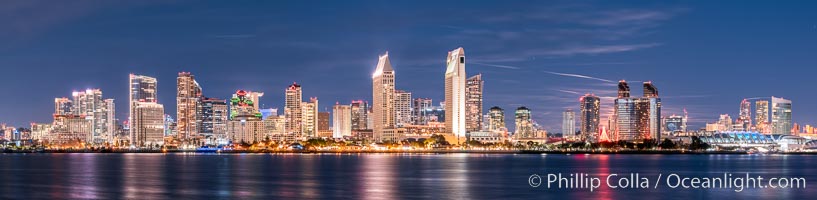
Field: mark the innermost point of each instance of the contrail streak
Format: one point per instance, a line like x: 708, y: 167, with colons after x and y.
x: 579, y: 76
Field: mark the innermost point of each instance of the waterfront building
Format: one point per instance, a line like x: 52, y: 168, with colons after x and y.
x: 496, y: 118
x: 420, y: 108
x: 745, y: 115
x: 148, y: 124
x: 637, y: 118
x: 473, y: 103
x: 524, y: 123
x: 773, y: 115
x: 455, y: 92
x: 383, y: 97
x: 589, y: 106
x: 142, y: 90
x: 402, y: 108
x: 309, y: 121
x: 90, y: 105
x: 63, y: 106
x: 323, y: 125
x: 341, y: 121
x: 568, y: 122
x: 359, y: 115
x: 245, y: 124
x: 293, y: 110
x: 674, y: 124
x: 40, y: 131
x: 188, y: 94
x: 211, y: 121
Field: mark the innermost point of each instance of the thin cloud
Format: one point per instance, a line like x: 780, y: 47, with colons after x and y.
x: 568, y: 91
x: 495, y: 65
x: 579, y: 76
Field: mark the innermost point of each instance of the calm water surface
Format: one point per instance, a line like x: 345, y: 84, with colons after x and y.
x: 374, y: 176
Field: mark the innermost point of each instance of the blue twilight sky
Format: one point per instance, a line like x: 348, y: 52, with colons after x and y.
x: 704, y: 56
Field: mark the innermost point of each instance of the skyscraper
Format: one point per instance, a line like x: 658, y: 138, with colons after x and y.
x: 781, y: 116
x: 110, y: 122
x: 589, y: 107
x: 568, y: 122
x: 188, y: 93
x: 637, y: 118
x: 341, y: 121
x: 148, y: 124
x: 745, y: 115
x: 473, y: 103
x: 497, y: 120
x: 524, y: 124
x: 142, y: 89
x: 310, y: 118
x: 455, y: 92
x: 323, y: 125
x: 360, y: 115
x: 420, y: 108
x: 245, y: 124
x: 383, y: 98
x: 762, y: 116
x: 212, y: 119
x: 402, y: 108
x: 293, y: 110
x: 90, y: 105
x: 63, y: 106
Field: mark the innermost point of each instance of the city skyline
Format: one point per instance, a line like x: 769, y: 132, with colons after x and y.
x: 513, y: 78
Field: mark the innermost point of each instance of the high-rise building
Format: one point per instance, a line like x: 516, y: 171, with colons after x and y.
x: 675, y: 124
x: 245, y: 124
x: 568, y: 122
x: 781, y: 116
x: 762, y: 116
x: 745, y: 115
x: 323, y: 125
x: 589, y: 106
x: 496, y: 118
x: 725, y: 122
x: 360, y: 115
x: 310, y: 118
x: 148, y: 124
x: 141, y: 89
x: 188, y: 94
x: 473, y: 103
x: 63, y: 106
x: 293, y: 110
x: 383, y: 97
x: 524, y: 123
x: 341, y: 121
x: 637, y: 118
x: 212, y: 116
x: 110, y: 122
x: 402, y: 108
x: 420, y: 108
x: 255, y: 97
x: 455, y: 92
x: 90, y: 105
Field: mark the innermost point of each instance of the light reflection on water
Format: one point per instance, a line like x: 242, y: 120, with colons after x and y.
x: 370, y: 176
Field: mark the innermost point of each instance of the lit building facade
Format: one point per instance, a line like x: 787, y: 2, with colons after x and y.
x: 293, y: 110
x: 148, y: 124
x: 524, y: 123
x: 188, y: 94
x: 309, y: 118
x: 341, y: 121
x: 496, y: 120
x: 637, y: 118
x: 212, y: 116
x: 245, y: 124
x: 402, y: 108
x: 473, y: 103
x: 142, y: 90
x: 590, y: 106
x: 360, y: 115
x: 781, y: 116
x: 90, y: 105
x: 419, y: 109
x: 745, y: 115
x: 455, y: 92
x: 568, y: 122
x: 383, y: 99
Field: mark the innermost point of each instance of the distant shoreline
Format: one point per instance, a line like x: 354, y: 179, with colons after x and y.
x: 656, y: 152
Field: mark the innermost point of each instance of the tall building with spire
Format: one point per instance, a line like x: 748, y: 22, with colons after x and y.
x: 142, y: 90
x: 590, y: 106
x: 455, y: 92
x: 188, y: 94
x: 473, y: 103
x: 293, y: 110
x: 383, y: 97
